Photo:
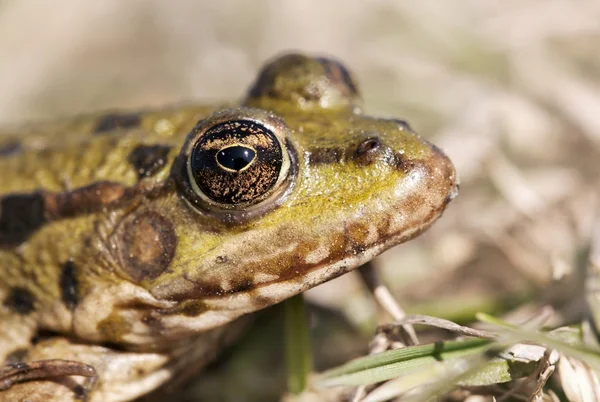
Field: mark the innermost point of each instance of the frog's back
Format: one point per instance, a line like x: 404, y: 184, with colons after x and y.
x: 69, y: 153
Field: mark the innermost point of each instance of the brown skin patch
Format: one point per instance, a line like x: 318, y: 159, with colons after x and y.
x: 148, y: 160
x: 115, y: 121
x: 69, y: 285
x: 146, y: 245
x: 356, y: 237
x: 20, y: 300
x: 84, y: 200
x: 325, y: 156
x: 20, y: 216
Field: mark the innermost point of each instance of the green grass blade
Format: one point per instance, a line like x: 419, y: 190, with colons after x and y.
x: 297, y: 346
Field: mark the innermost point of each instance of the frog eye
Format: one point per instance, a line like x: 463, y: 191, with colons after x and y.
x: 237, y: 159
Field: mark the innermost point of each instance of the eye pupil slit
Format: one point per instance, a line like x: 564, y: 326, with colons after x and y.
x: 236, y: 157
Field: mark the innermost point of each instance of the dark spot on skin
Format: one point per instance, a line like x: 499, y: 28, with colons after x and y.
x: 400, y: 162
x: 221, y: 259
x: 114, y: 121
x: 10, y: 148
x: 16, y: 356
x: 79, y: 391
x: 42, y: 336
x: 355, y: 237
x: 358, y: 248
x: 146, y: 245
x: 241, y: 286
x: 148, y: 159
x: 83, y: 200
x: 193, y: 308
x: 20, y: 300
x: 113, y: 346
x: 367, y: 151
x: 325, y: 156
x: 20, y: 216
x: 69, y: 285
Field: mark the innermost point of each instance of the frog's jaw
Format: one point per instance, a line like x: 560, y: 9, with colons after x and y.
x: 298, y: 256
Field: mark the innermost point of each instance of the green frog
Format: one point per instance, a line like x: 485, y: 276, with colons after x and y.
x: 133, y: 245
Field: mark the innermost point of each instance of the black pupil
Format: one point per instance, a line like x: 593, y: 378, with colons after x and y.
x: 236, y: 157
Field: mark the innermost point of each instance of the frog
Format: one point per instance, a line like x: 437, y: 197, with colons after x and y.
x: 135, y: 245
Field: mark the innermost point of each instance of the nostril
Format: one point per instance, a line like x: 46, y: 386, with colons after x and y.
x: 367, y: 150
x: 369, y: 145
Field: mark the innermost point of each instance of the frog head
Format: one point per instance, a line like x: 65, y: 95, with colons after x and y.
x: 291, y: 189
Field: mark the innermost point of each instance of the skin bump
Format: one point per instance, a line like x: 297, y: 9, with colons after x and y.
x: 20, y: 300
x: 148, y: 160
x: 310, y: 82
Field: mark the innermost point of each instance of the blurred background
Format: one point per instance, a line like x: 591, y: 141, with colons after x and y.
x: 509, y: 89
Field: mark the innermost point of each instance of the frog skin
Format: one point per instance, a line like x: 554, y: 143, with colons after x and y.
x: 133, y: 245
